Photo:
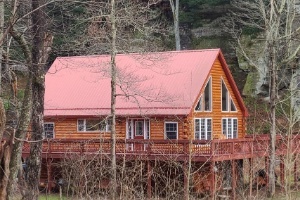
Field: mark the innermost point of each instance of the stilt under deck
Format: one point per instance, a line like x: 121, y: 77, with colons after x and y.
x: 214, y: 151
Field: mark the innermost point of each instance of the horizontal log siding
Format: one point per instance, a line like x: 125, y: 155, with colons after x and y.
x: 217, y: 74
x: 157, y: 127
x: 67, y: 129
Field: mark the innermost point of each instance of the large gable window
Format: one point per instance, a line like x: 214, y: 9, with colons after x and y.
x: 93, y: 125
x: 205, y: 101
x: 49, y: 130
x: 203, y: 128
x: 227, y: 102
x: 171, y: 130
x: 230, y: 127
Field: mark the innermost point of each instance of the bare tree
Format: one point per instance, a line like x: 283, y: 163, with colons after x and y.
x: 175, y: 12
x: 276, y: 28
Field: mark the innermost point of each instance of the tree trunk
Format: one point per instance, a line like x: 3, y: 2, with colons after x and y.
x: 38, y: 89
x: 113, y: 102
x: 175, y: 11
x: 273, y: 94
x: 24, y: 119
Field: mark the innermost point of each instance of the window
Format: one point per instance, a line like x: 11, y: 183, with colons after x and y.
x: 93, y: 125
x: 171, y: 130
x: 230, y: 127
x: 203, y: 128
x: 49, y: 130
x: 139, y: 128
x: 227, y: 102
x: 204, y: 103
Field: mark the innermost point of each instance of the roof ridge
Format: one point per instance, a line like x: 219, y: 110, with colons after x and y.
x: 140, y: 53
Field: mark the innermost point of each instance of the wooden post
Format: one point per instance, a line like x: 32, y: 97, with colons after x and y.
x: 49, y: 176
x: 185, y: 180
x: 282, y: 173
x: 233, y: 181
x: 213, y: 179
x: 295, y: 169
x: 267, y: 170
x: 149, y: 187
x: 250, y: 176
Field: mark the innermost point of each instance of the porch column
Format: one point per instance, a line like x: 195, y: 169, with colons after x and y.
x: 212, y: 179
x: 49, y: 175
x: 149, y: 187
x: 233, y: 167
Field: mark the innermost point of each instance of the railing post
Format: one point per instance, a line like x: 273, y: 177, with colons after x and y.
x: 212, y: 148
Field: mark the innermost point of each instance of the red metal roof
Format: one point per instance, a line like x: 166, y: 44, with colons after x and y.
x: 164, y: 83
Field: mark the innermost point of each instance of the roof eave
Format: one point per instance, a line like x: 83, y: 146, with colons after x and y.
x: 233, y: 84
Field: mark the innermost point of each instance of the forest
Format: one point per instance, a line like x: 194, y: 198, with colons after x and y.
x: 259, y: 40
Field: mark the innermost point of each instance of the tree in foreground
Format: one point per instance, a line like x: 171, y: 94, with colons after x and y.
x: 276, y: 31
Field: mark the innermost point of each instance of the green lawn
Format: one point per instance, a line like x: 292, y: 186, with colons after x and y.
x: 51, y: 197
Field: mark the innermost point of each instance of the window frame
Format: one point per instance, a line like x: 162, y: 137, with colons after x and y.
x: 201, y: 99
x: 232, y: 134
x: 206, y: 128
x: 229, y: 99
x: 53, y: 131
x: 165, y: 129
x: 107, y: 125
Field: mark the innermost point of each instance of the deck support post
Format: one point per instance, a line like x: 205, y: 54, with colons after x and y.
x: 185, y: 180
x: 267, y: 160
x: 213, y: 179
x: 234, y: 176
x: 282, y: 172
x: 295, y: 169
x: 149, y: 187
x: 49, y: 175
x: 250, y: 176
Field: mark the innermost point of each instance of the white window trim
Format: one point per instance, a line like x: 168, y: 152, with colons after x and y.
x: 130, y: 135
x: 98, y: 131
x: 237, y: 127
x: 209, y: 81
x: 53, y: 129
x: 229, y: 98
x: 165, y: 133
x: 206, y: 136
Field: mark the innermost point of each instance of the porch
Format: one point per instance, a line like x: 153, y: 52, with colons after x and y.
x: 197, y: 150
x: 184, y: 151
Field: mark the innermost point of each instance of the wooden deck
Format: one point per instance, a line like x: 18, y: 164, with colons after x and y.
x: 198, y: 150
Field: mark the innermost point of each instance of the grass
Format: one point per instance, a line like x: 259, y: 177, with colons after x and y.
x: 52, y: 197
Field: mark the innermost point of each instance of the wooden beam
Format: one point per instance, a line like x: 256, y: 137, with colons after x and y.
x: 233, y: 181
x: 185, y: 180
x: 295, y: 170
x: 149, y: 186
x: 49, y: 175
x: 250, y: 176
x: 267, y: 160
x: 282, y: 172
x: 212, y: 180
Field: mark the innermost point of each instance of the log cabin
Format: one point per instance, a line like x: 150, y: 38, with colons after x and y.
x: 167, y: 103
x: 160, y: 96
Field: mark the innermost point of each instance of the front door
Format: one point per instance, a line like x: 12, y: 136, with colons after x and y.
x: 138, y: 133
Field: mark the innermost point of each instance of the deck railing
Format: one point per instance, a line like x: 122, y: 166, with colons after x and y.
x: 220, y: 149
